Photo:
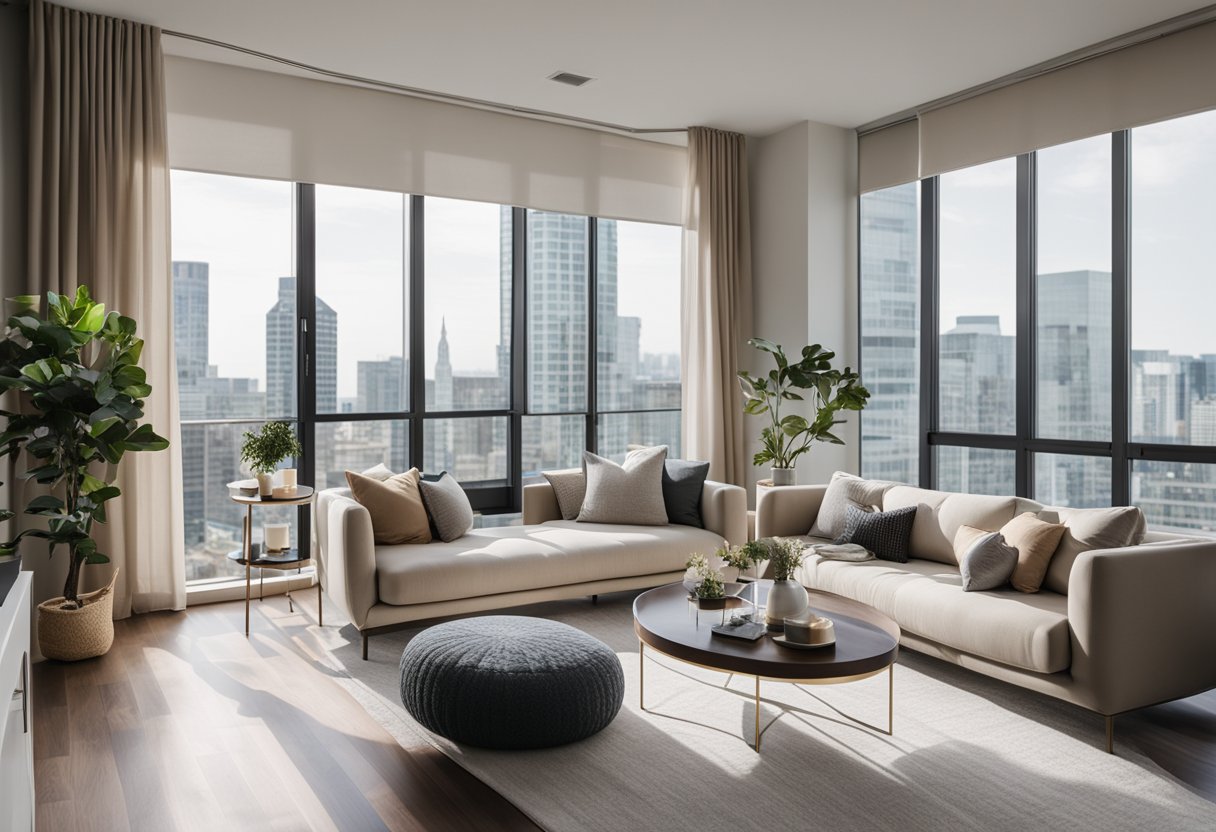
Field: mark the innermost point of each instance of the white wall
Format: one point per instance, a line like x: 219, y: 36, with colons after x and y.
x: 804, y: 262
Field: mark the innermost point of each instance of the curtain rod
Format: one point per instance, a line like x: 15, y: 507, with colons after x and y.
x: 432, y: 95
x: 1172, y: 26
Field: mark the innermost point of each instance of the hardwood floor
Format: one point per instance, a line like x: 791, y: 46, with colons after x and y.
x: 186, y: 725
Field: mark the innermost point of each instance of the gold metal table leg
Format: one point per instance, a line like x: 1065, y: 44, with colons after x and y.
x: 320, y: 606
x: 248, y: 557
x: 642, y: 675
x: 891, y: 700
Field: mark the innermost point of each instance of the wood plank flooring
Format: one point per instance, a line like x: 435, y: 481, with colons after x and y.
x: 186, y: 725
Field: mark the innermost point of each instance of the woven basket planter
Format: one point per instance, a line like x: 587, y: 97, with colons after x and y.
x: 72, y: 635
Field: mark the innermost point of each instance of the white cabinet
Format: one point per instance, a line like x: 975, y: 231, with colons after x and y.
x: 16, y: 723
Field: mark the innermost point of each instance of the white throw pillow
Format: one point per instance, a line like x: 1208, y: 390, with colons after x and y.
x: 630, y: 494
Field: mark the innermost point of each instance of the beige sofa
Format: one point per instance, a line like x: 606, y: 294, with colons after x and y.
x: 1112, y: 630
x: 384, y: 587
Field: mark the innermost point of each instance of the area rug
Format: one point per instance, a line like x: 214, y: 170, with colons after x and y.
x: 967, y: 752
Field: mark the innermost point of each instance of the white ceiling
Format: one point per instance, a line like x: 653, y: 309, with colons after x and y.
x: 754, y: 66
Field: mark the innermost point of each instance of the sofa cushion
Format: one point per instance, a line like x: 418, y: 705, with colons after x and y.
x: 569, y: 485
x: 683, y: 482
x: 1091, y: 528
x: 926, y: 598
x: 843, y: 491
x: 885, y: 533
x: 1036, y: 542
x: 395, y: 506
x: 939, y: 514
x: 631, y: 493
x: 985, y: 560
x: 515, y: 558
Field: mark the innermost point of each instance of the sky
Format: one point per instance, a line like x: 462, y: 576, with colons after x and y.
x: 1174, y: 215
x: 243, y: 229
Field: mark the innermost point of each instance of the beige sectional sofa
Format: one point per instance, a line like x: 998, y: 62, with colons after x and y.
x: 1112, y: 630
x: 383, y: 587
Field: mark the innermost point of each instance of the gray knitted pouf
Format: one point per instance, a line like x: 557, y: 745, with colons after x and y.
x: 506, y: 681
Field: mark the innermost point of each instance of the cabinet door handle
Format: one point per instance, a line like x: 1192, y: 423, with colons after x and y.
x: 25, y: 692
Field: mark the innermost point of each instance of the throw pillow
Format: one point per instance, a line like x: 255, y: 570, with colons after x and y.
x: 448, y: 505
x: 1092, y: 528
x: 986, y: 560
x: 569, y: 486
x: 1036, y: 542
x: 843, y: 491
x: 379, y: 471
x: 683, y: 482
x: 885, y: 533
x: 632, y: 493
x: 395, y: 505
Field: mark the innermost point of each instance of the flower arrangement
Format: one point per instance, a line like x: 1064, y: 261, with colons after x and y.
x: 709, y: 583
x: 749, y: 555
x: 784, y: 557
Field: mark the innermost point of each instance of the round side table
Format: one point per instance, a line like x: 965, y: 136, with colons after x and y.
x: 283, y: 561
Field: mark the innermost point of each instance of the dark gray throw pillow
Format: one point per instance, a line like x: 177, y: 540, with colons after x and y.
x: 987, y: 563
x: 448, y: 506
x: 683, y: 481
x: 885, y: 533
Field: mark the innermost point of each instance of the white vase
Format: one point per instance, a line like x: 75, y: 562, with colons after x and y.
x: 265, y: 485
x: 783, y: 476
x: 786, y: 599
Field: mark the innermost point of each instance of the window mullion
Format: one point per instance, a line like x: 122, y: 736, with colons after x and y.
x: 930, y: 329
x: 1121, y: 326
x: 1025, y: 327
x: 306, y: 359
x: 593, y: 363
x: 416, y: 290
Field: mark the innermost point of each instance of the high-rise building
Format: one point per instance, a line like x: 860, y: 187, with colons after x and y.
x: 282, y: 334
x: 890, y: 333
x: 191, y: 315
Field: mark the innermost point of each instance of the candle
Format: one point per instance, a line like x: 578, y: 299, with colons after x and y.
x: 289, y: 477
x: 277, y: 536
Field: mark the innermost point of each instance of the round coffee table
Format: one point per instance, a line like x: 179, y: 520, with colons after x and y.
x: 867, y: 644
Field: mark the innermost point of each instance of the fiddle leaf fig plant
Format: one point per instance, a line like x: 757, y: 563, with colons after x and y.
x: 830, y: 391
x: 76, y: 400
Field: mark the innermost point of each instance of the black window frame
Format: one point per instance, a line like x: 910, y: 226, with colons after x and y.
x: 1120, y: 449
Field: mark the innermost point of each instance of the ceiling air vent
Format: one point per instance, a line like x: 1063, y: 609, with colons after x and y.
x: 569, y: 78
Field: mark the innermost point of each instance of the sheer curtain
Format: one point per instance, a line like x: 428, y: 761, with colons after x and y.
x: 99, y: 216
x: 716, y: 301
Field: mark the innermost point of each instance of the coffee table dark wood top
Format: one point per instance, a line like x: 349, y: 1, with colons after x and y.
x: 867, y: 642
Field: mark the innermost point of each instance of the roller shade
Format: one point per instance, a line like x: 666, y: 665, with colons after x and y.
x: 1161, y: 79
x: 247, y: 122
x: 888, y: 157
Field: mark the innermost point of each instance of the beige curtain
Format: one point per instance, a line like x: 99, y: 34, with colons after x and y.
x: 99, y: 216
x: 716, y: 301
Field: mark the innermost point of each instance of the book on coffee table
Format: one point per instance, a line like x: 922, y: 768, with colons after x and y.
x: 748, y: 630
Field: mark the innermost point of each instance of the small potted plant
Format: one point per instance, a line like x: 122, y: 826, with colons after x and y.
x: 705, y: 584
x: 748, y: 556
x: 265, y: 450
x: 788, y: 437
x: 787, y: 598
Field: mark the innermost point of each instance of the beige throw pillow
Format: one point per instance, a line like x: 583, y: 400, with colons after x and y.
x: 1036, y: 542
x: 1092, y: 528
x: 395, y: 505
x: 569, y: 486
x: 629, y: 494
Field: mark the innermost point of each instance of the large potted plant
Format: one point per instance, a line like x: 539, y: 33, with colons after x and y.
x: 79, y: 396
x: 830, y: 391
x: 264, y: 450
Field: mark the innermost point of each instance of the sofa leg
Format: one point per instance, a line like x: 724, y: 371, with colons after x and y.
x: 1110, y: 735
x: 595, y: 599
x: 364, y: 646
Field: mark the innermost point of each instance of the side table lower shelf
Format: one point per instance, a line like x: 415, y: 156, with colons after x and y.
x: 282, y: 562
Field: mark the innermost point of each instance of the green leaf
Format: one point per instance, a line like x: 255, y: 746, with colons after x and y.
x: 765, y: 345
x: 96, y: 558
x: 92, y: 320
x: 98, y: 428
x: 145, y: 439
x: 90, y: 483
x: 43, y: 504
x: 793, y: 425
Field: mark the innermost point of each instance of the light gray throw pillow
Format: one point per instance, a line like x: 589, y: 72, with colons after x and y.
x: 448, y: 506
x: 569, y: 485
x: 987, y: 563
x: 843, y: 491
x: 629, y: 494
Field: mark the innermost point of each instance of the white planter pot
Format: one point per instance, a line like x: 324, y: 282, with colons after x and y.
x: 265, y: 485
x: 783, y: 476
x: 786, y: 599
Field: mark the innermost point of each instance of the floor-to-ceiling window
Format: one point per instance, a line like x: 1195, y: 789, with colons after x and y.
x: 1067, y: 356
x: 488, y: 341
